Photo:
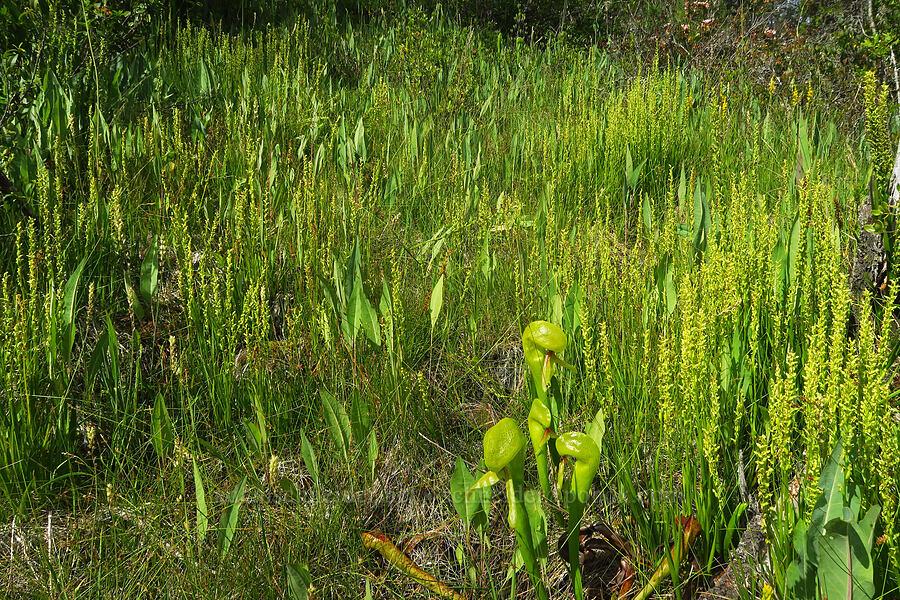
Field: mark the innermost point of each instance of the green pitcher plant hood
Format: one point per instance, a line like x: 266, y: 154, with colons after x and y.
x: 503, y: 445
x: 539, y: 420
x: 584, y: 450
x: 504, y: 454
x: 540, y: 430
x: 543, y: 343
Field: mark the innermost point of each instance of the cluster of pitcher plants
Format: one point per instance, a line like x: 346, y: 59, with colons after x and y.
x: 504, y: 457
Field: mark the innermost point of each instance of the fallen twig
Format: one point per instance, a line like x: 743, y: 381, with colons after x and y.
x: 393, y: 554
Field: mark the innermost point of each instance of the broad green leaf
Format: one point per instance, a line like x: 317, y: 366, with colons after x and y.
x: 253, y: 435
x: 338, y: 422
x: 844, y: 563
x: 437, y: 300
x: 162, y: 433
x: 373, y: 452
x: 228, y: 524
x: 800, y: 577
x: 97, y: 360
x: 597, y: 428
x: 732, y: 526
x: 360, y: 418
x: 485, y: 481
x: 538, y: 522
x: 369, y: 318
x: 309, y: 458
x: 202, y: 514
x: 631, y: 173
x: 830, y: 504
x: 150, y: 272
x: 701, y: 219
x: 298, y: 581
x: 133, y: 301
x: 385, y: 305
x: 646, y: 214
x: 359, y: 140
x: 69, y: 302
x: 467, y: 500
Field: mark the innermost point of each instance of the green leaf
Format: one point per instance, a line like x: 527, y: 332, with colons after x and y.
x: 68, y: 310
x: 485, y: 481
x: 133, y: 301
x: 537, y: 521
x: 228, y: 524
x: 385, y: 305
x: 298, y: 581
x: 800, y: 577
x: 597, y: 428
x: 437, y: 300
x: 368, y: 317
x: 632, y: 174
x: 150, y: 272
x: 701, y: 219
x: 646, y: 214
x: 830, y: 504
x: 162, y: 433
x: 732, y: 526
x: 253, y: 435
x: 467, y: 500
x: 338, y: 422
x: 359, y: 140
x: 845, y: 564
x: 309, y: 458
x: 202, y: 514
x: 360, y: 418
x: 373, y: 452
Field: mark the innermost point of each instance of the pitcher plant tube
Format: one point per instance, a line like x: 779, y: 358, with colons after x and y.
x: 583, y: 449
x: 540, y: 431
x: 504, y: 456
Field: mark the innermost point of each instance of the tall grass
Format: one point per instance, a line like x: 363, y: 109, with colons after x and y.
x: 230, y: 226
